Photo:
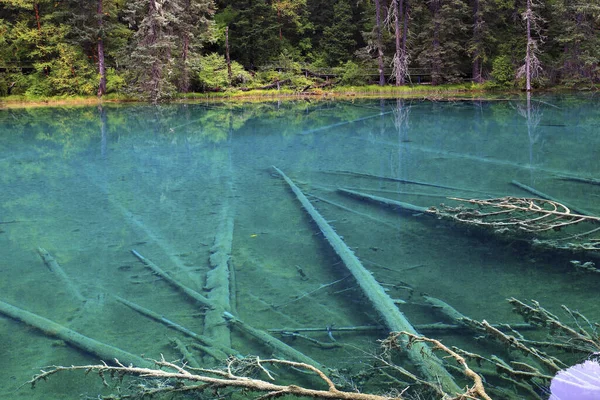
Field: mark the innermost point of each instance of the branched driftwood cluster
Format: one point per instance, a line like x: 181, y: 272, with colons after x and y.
x: 242, y: 373
x: 546, y: 221
x: 178, y: 379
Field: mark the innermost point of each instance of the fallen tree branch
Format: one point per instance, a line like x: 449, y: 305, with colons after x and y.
x: 213, y: 379
x: 428, y: 364
x: 55, y: 267
x: 76, y: 339
x: 477, y: 390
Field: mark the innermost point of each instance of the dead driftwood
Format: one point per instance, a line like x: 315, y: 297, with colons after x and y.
x: 104, y: 351
x: 420, y: 354
x: 435, y: 327
x: 230, y: 318
x: 399, y: 180
x: 540, y: 222
x: 578, y: 179
x: 218, y: 281
x: 178, y: 379
x: 190, y: 292
x: 399, y: 205
x: 543, y: 195
x: 270, y: 341
x: 55, y: 267
x: 213, y: 348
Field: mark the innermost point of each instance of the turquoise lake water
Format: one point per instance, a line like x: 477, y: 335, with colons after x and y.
x: 91, y: 184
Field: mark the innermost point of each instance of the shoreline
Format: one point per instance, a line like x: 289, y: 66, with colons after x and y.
x: 438, y: 93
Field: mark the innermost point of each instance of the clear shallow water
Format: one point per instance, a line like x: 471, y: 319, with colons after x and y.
x: 89, y: 185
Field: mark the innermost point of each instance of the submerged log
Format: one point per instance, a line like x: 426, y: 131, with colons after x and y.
x: 218, y: 281
x: 420, y: 354
x: 104, y: 351
x: 55, y: 267
x: 213, y: 348
x: 399, y: 180
x: 271, y: 341
x: 157, y: 270
x: 543, y: 195
x: 399, y: 205
x: 578, y: 179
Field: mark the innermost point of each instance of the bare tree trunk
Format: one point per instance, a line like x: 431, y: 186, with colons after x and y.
x: 397, y: 16
x: 529, y: 48
x: 477, y: 28
x: 436, y: 61
x: 36, y: 8
x: 101, y: 65
x: 404, y: 35
x: 379, y: 44
x: 156, y: 69
x: 184, y: 85
x: 227, y: 54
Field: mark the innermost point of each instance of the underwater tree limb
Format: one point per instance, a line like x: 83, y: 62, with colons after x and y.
x: 202, y: 379
x: 428, y: 364
x: 578, y: 179
x: 407, y: 207
x: 214, y: 349
x: 231, y: 319
x: 102, y: 350
x: 435, y: 327
x: 187, y: 355
x: 399, y: 180
x: 190, y: 292
x: 477, y: 389
x: 218, y: 280
x: 511, y: 341
x: 55, y: 267
x: 270, y: 341
x: 548, y: 197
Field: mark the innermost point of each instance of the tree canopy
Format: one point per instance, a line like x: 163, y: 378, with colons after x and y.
x: 157, y: 48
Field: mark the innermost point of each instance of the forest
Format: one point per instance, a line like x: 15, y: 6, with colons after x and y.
x: 158, y: 49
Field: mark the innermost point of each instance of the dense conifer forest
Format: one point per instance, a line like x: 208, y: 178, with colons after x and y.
x: 156, y: 49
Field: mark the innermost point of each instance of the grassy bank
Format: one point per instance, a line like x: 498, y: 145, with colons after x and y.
x: 441, y: 92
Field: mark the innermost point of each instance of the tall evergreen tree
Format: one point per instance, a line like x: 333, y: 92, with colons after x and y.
x: 193, y: 32
x: 379, y: 41
x: 337, y: 42
x: 575, y: 31
x: 253, y: 32
x: 160, y: 42
x: 443, y: 34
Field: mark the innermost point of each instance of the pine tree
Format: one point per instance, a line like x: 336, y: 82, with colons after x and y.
x: 337, y: 42
x: 443, y: 34
x: 253, y: 33
x: 574, y: 31
x: 379, y: 41
x: 161, y: 43
x: 193, y: 32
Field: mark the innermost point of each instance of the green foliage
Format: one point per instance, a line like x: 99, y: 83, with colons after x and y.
x: 155, y: 48
x: 338, y: 41
x: 352, y: 74
x: 115, y: 82
x: 211, y: 73
x: 503, y: 71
